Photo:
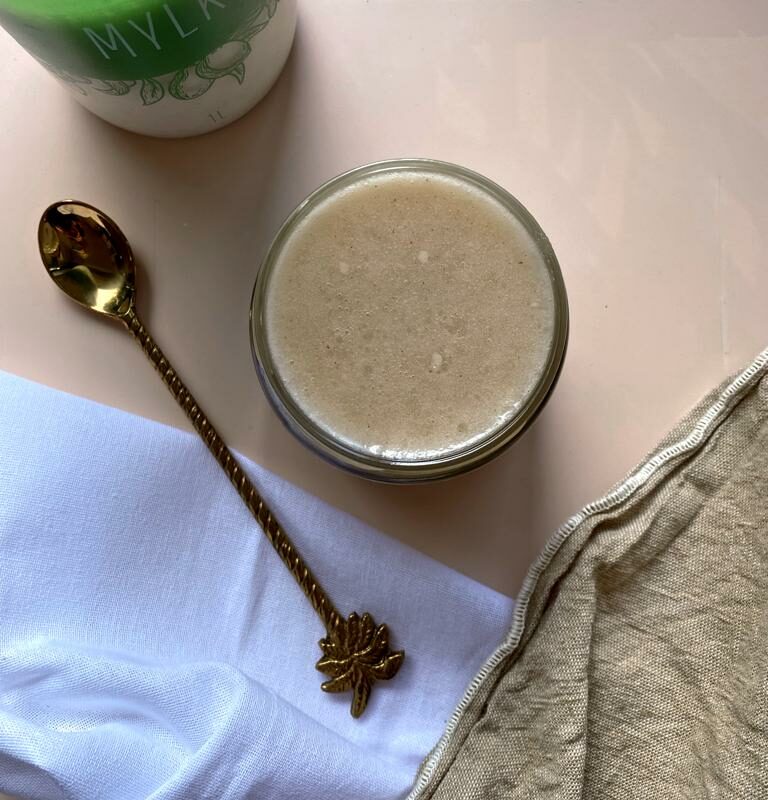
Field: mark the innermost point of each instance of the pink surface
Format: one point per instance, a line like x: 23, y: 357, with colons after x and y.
x: 634, y: 132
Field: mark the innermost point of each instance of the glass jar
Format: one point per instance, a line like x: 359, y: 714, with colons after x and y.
x: 378, y: 466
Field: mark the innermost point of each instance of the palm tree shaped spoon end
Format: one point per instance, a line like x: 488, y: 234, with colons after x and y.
x: 356, y: 654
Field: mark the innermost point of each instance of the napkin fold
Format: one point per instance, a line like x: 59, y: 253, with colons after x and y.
x: 152, y: 645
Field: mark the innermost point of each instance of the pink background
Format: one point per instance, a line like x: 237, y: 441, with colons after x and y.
x: 635, y: 132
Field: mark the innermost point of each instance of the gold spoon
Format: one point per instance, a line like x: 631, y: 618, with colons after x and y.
x: 90, y: 260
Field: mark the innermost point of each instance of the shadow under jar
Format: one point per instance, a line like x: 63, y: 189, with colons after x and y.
x: 409, y: 320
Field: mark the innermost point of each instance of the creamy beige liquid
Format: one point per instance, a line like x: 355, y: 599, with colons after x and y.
x: 410, y: 315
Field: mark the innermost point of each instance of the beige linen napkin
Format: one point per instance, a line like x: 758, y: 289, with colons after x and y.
x: 637, y: 666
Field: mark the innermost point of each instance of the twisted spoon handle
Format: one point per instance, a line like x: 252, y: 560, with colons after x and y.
x: 247, y: 491
x: 356, y: 651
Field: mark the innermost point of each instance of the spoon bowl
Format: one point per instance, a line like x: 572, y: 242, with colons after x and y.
x: 88, y: 257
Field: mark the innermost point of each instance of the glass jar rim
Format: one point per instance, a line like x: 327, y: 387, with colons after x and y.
x: 378, y: 467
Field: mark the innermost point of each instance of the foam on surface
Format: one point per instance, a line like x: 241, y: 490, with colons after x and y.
x: 410, y: 315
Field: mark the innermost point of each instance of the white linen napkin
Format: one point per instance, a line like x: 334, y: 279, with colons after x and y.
x: 152, y: 645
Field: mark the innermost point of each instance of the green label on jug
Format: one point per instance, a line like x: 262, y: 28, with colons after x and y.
x: 129, y: 40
